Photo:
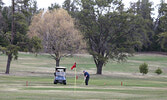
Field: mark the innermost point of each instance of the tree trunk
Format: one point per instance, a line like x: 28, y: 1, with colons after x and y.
x: 8, y: 63
x: 99, y: 67
x: 57, y: 62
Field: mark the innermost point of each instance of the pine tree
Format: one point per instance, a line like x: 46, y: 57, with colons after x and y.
x: 16, y: 20
x: 142, y: 10
x: 71, y: 7
x: 54, y: 6
x: 161, y: 26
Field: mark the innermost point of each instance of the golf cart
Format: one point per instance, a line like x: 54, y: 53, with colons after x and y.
x: 60, y: 75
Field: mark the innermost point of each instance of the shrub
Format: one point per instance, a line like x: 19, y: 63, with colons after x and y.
x: 158, y: 71
x: 143, y: 68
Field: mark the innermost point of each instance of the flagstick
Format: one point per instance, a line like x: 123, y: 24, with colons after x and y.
x: 75, y: 81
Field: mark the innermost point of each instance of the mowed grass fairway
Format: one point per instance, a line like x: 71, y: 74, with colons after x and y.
x: 37, y: 73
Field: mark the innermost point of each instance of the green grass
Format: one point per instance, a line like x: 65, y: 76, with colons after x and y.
x: 37, y: 73
x: 150, y: 58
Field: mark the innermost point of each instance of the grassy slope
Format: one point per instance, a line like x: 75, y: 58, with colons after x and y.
x: 38, y: 72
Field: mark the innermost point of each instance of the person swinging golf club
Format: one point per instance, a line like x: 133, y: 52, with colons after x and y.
x: 86, y: 77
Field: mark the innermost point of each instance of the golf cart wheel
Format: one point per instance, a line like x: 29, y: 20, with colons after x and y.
x: 55, y: 82
x: 64, y: 82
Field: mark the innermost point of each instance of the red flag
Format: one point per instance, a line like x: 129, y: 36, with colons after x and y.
x: 74, y: 66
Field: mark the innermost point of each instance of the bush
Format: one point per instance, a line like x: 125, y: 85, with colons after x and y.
x: 158, y: 71
x: 143, y: 68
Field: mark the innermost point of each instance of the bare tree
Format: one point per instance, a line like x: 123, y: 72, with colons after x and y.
x: 58, y: 33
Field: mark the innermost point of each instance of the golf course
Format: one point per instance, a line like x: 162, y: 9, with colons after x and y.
x: 31, y: 78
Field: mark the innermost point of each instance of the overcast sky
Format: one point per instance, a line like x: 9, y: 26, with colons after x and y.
x: 46, y: 3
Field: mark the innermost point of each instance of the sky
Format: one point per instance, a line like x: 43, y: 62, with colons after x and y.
x: 46, y: 3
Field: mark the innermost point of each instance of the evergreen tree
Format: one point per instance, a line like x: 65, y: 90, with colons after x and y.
x: 13, y: 37
x: 142, y: 11
x: 162, y: 23
x: 2, y: 24
x: 161, y: 26
x: 1, y: 17
x: 71, y: 7
x: 54, y: 6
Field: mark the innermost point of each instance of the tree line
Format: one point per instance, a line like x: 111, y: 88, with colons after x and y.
x: 108, y: 29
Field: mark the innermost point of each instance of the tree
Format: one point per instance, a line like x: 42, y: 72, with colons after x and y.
x: 142, y: 10
x: 158, y: 71
x: 107, y: 29
x: 13, y: 36
x: 11, y: 49
x: 143, y: 68
x: 54, y: 6
x: 161, y: 13
x: 57, y: 32
x: 1, y: 17
x: 70, y: 6
x: 161, y: 26
x: 162, y: 40
x: 27, y: 7
x: 2, y: 24
x: 34, y: 45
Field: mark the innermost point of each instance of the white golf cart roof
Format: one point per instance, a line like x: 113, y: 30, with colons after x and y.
x: 60, y: 67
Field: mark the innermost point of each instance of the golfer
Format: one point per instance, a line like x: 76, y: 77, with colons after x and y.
x: 86, y: 76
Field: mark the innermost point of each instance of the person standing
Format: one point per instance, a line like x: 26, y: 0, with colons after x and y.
x: 87, y: 76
